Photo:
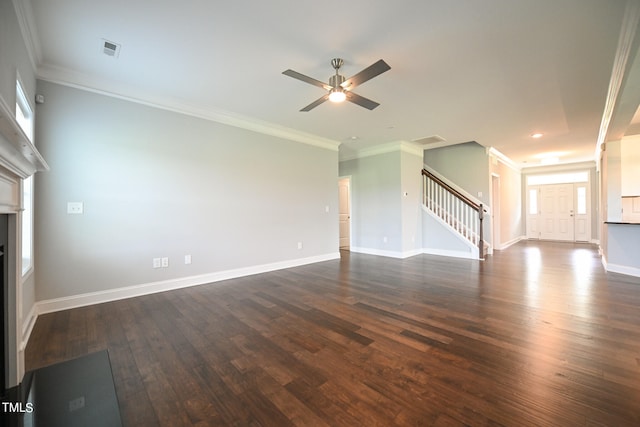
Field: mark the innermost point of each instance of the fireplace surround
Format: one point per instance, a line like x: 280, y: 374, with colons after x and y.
x: 19, y: 159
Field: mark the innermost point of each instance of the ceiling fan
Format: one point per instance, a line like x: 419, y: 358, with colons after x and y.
x: 340, y: 89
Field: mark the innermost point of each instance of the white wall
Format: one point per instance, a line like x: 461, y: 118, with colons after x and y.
x: 156, y: 183
x: 511, y: 221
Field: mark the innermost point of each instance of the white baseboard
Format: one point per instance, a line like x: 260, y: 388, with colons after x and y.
x: 503, y: 246
x: 622, y: 269
x: 454, y: 254
x: 27, y: 325
x: 74, y: 301
x: 382, y: 252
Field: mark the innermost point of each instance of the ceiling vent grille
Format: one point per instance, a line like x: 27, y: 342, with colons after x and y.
x: 434, y: 139
x: 110, y: 48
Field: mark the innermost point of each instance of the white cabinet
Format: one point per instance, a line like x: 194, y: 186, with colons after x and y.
x: 630, y: 172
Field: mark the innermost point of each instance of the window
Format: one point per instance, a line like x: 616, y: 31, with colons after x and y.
x: 24, y: 112
x: 558, y: 178
x: 27, y: 224
x: 25, y: 118
x: 582, y: 200
x: 533, y: 201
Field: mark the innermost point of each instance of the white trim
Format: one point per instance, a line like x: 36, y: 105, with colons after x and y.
x: 27, y: 326
x: 91, y: 298
x: 622, y: 269
x: 215, y: 115
x: 29, y: 31
x: 386, y: 253
x: 390, y: 147
x: 449, y: 253
x: 492, y: 152
x: 620, y: 72
x: 511, y: 242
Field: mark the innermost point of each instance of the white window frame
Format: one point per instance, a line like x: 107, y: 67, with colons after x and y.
x: 25, y: 116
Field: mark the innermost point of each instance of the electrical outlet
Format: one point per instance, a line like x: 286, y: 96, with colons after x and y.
x: 165, y: 262
x: 157, y: 263
x: 76, y: 404
x: 299, y: 245
x: 187, y: 259
x: 75, y: 208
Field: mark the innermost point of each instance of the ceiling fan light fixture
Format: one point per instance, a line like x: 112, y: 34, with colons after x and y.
x: 337, y: 95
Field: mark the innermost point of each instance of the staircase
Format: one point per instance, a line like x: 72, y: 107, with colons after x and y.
x: 461, y: 214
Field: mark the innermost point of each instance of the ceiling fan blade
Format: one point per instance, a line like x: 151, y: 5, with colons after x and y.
x: 306, y: 79
x: 361, y: 100
x: 315, y: 103
x: 366, y: 74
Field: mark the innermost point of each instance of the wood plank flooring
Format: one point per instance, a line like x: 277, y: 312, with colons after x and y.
x: 537, y: 335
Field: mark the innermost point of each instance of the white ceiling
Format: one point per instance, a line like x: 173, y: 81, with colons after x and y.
x: 491, y: 71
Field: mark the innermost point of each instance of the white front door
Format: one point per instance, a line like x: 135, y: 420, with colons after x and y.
x: 344, y: 213
x: 556, y: 212
x: 550, y: 212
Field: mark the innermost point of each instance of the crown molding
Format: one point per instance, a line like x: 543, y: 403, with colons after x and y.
x: 504, y: 159
x: 390, y: 147
x: 623, y: 65
x: 80, y: 81
x: 26, y: 21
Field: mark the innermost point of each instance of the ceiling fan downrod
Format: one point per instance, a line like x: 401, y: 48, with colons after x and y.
x: 337, y: 79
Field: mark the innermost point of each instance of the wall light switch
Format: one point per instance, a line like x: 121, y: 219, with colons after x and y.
x: 187, y: 259
x: 157, y: 263
x: 75, y: 208
x: 165, y: 262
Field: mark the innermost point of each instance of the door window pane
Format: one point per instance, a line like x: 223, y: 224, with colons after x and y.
x: 533, y: 202
x: 582, y: 201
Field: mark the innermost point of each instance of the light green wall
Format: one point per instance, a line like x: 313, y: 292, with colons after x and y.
x: 14, y: 58
x: 156, y: 183
x: 376, y: 212
x: 386, y: 198
x: 466, y: 165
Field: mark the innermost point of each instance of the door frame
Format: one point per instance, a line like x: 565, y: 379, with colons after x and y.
x: 350, y: 210
x: 589, y: 207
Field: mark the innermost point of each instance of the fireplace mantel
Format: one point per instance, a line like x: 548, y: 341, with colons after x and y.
x: 17, y: 152
x: 19, y: 159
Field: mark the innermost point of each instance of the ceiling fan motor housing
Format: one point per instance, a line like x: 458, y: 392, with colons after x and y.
x: 336, y: 80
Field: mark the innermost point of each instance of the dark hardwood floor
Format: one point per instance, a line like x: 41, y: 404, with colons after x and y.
x: 537, y: 335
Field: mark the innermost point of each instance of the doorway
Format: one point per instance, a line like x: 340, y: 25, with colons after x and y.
x: 559, y: 212
x: 495, y: 211
x: 344, y: 208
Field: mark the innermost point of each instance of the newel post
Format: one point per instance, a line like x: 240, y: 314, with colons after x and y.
x: 481, y: 232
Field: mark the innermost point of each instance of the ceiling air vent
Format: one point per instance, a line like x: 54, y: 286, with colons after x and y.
x: 434, y: 139
x: 110, y: 48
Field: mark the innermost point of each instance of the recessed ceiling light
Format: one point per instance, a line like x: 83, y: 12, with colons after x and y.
x: 537, y: 135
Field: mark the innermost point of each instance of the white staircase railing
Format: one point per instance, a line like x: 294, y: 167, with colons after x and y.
x: 454, y: 208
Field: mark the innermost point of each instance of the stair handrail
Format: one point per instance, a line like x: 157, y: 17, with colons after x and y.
x: 478, y: 207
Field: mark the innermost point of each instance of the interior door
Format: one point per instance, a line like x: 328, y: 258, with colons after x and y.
x: 344, y: 213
